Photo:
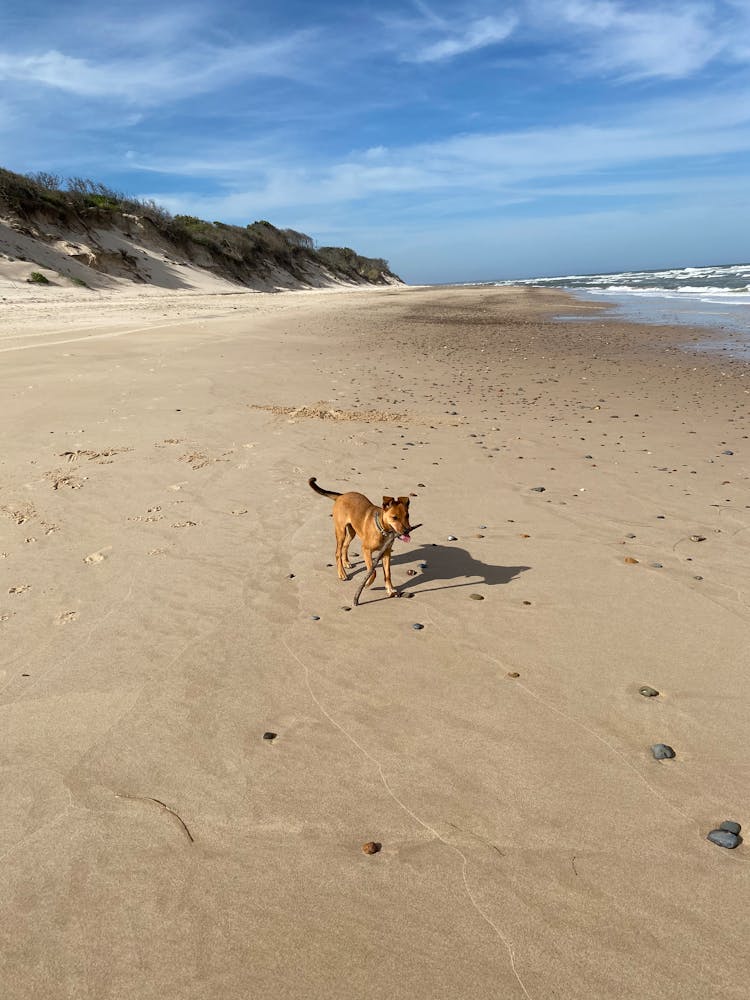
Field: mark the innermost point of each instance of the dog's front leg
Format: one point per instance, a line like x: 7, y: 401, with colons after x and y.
x: 387, y: 572
x: 367, y: 553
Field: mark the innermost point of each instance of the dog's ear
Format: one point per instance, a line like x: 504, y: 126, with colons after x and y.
x: 387, y: 501
x: 404, y: 501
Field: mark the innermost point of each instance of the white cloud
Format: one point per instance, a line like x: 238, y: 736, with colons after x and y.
x: 153, y: 79
x: 464, y: 173
x: 477, y: 34
x: 637, y: 41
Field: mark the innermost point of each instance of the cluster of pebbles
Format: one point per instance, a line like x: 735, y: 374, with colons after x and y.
x: 727, y: 833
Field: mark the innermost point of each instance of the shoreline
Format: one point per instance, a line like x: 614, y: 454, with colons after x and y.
x: 167, y: 598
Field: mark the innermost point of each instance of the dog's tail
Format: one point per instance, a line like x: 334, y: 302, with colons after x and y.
x: 324, y: 493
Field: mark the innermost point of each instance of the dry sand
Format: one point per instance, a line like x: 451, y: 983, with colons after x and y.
x: 162, y: 561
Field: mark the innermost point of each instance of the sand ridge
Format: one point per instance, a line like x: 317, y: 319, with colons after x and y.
x: 180, y: 601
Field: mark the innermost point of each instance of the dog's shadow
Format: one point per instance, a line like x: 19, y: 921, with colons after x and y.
x: 447, y: 566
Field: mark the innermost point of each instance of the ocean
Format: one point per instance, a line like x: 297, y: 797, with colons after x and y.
x: 717, y: 297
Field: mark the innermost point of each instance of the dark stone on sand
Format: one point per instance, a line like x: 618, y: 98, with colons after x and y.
x: 538, y: 489
x: 730, y: 826
x: 697, y: 577
x: 648, y: 692
x: 697, y: 538
x: 527, y: 602
x: 291, y: 576
x: 345, y: 607
x: 723, y: 838
x: 588, y: 456
x: 417, y: 626
x: 657, y: 565
x: 475, y: 597
x: 371, y: 847
x: 513, y: 673
x: 662, y: 751
x: 423, y: 565
x: 727, y: 452
x: 421, y: 485
x: 315, y: 618
x: 630, y: 535
x: 270, y: 736
x: 660, y: 517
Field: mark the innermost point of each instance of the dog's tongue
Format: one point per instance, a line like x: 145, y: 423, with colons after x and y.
x: 405, y: 538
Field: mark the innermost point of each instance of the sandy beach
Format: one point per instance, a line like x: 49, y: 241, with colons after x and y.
x: 167, y: 597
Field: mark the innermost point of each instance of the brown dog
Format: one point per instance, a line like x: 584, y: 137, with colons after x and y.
x: 376, y: 527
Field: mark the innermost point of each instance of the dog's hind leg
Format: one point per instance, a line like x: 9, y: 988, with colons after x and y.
x: 342, y: 542
x: 350, y: 533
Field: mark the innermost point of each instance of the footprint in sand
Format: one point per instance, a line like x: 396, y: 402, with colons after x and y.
x: 66, y: 616
x: 97, y: 557
x: 20, y: 588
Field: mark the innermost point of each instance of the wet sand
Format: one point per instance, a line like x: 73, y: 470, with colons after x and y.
x: 166, y: 598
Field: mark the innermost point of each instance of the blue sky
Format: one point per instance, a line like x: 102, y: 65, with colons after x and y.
x: 461, y: 141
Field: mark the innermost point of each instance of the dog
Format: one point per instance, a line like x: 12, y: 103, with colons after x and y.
x: 376, y: 527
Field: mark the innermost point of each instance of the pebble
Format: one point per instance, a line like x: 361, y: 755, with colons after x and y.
x: 648, y: 692
x: 371, y: 847
x: 315, y: 618
x: 270, y: 736
x: 291, y: 576
x: 411, y: 572
x: 631, y: 560
x: 697, y: 538
x: 730, y: 826
x: 697, y: 577
x: 588, y: 456
x: 452, y: 538
x: 657, y: 566
x: 417, y: 626
x: 527, y: 602
x: 631, y: 535
x: 482, y: 527
x: 727, y: 452
x: 538, y: 489
x: 513, y: 673
x: 345, y: 607
x: 662, y: 752
x: 724, y: 839
x: 475, y: 597
x: 421, y: 485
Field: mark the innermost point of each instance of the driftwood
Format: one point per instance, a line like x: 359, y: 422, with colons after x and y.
x: 376, y: 557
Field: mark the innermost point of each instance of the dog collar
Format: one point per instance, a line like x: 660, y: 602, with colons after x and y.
x: 379, y: 524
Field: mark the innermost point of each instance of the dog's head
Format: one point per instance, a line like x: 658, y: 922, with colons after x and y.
x: 396, y: 516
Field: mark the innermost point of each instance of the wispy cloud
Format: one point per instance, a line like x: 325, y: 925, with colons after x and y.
x: 486, y: 169
x: 475, y: 35
x: 432, y: 37
x: 636, y: 41
x: 155, y: 78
